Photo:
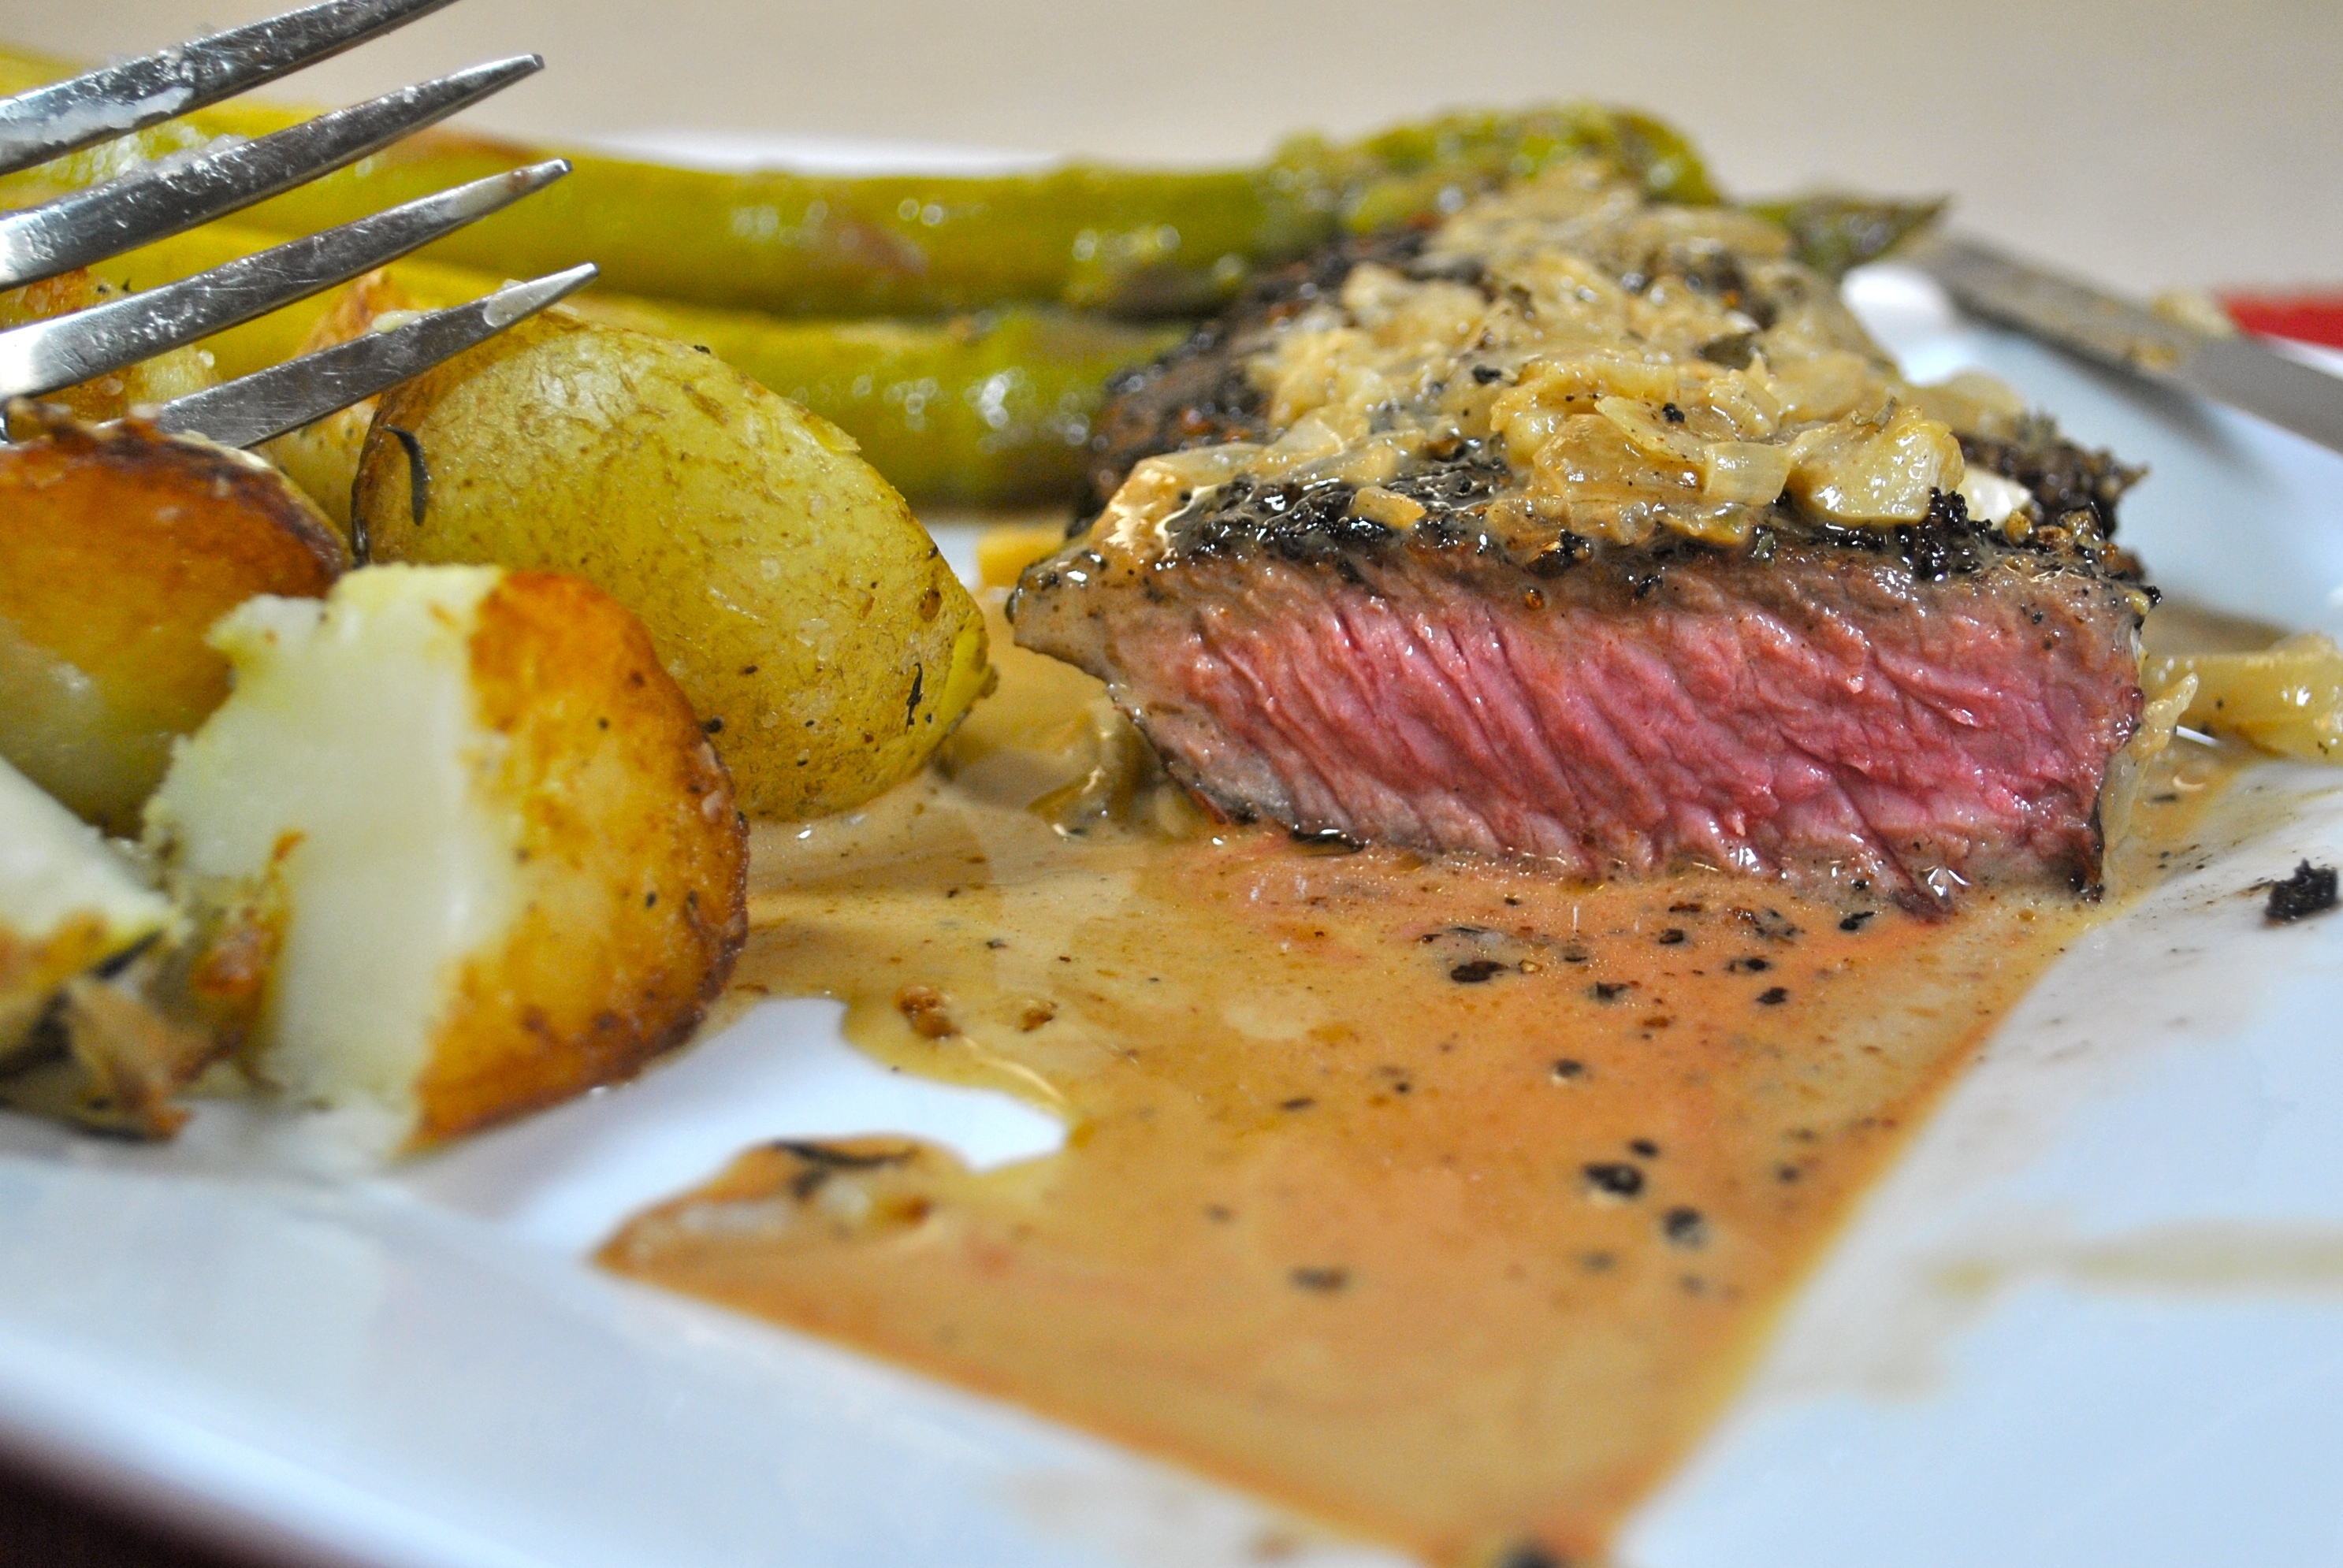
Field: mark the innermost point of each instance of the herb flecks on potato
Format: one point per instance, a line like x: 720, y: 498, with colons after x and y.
x: 496, y: 861
x: 817, y: 630
x: 118, y: 548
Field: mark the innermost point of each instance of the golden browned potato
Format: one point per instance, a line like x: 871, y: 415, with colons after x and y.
x: 67, y: 902
x: 788, y: 588
x: 118, y: 548
x: 111, y: 1055
x: 75, y: 1042
x: 322, y: 457
x: 109, y: 396
x: 490, y: 858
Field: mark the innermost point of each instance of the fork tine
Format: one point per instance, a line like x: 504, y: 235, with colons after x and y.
x: 47, y: 355
x: 160, y: 199
x: 268, y: 403
x: 49, y: 121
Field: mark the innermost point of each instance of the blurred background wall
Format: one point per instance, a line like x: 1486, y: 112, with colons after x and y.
x: 2160, y: 143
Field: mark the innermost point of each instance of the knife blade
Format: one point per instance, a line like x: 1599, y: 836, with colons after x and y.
x: 2241, y: 372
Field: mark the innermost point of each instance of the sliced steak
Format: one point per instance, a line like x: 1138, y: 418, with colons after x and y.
x: 1601, y: 644
x: 1825, y: 711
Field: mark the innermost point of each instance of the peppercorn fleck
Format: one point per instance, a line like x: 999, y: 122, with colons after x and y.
x: 1529, y: 1555
x: 1685, y: 1228
x: 2311, y: 891
x: 1614, y: 1179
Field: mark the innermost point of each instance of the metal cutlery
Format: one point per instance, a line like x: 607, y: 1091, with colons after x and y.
x: 162, y: 198
x: 2242, y: 372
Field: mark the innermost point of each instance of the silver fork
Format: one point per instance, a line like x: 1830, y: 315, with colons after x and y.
x: 158, y: 199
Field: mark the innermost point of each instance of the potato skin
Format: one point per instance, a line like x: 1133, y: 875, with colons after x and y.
x: 118, y: 548
x: 634, y: 862
x: 322, y: 456
x: 176, y: 374
x: 789, y: 591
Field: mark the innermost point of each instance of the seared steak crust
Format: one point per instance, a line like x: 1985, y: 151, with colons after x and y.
x: 2065, y: 478
x: 1199, y: 395
x: 1310, y: 522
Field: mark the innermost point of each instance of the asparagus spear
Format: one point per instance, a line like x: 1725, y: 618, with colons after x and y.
x: 1133, y: 242
x: 1834, y: 232
x: 988, y: 409
x: 991, y: 408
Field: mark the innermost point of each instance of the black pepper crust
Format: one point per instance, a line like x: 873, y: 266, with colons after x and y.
x: 1199, y: 395
x: 2065, y: 478
x: 1318, y: 524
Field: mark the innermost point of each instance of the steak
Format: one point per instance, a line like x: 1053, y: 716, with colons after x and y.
x: 1404, y: 551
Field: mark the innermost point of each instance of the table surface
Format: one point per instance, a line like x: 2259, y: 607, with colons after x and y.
x: 2165, y: 143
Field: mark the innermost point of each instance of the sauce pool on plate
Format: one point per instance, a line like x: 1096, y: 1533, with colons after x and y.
x: 1442, y: 1201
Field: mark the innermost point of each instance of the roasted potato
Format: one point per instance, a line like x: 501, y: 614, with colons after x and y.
x: 67, y: 902
x: 789, y: 589
x: 109, y: 396
x: 322, y: 457
x: 119, y: 1045
x: 477, y: 829
x: 118, y: 548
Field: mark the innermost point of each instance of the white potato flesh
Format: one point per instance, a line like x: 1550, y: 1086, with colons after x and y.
x: 386, y: 858
x: 67, y: 901
x: 479, y: 830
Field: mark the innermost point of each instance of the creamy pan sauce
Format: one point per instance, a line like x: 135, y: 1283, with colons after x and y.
x: 1445, y: 1202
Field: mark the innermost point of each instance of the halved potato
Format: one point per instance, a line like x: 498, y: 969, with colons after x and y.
x: 67, y: 902
x: 115, y: 1051
x: 789, y: 589
x: 496, y: 860
x: 118, y: 548
x: 118, y: 392
x: 322, y: 457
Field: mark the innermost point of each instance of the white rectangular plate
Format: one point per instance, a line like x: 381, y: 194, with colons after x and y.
x: 2094, y: 1317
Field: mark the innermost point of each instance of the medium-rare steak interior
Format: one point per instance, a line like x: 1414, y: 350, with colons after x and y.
x: 1597, y: 531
